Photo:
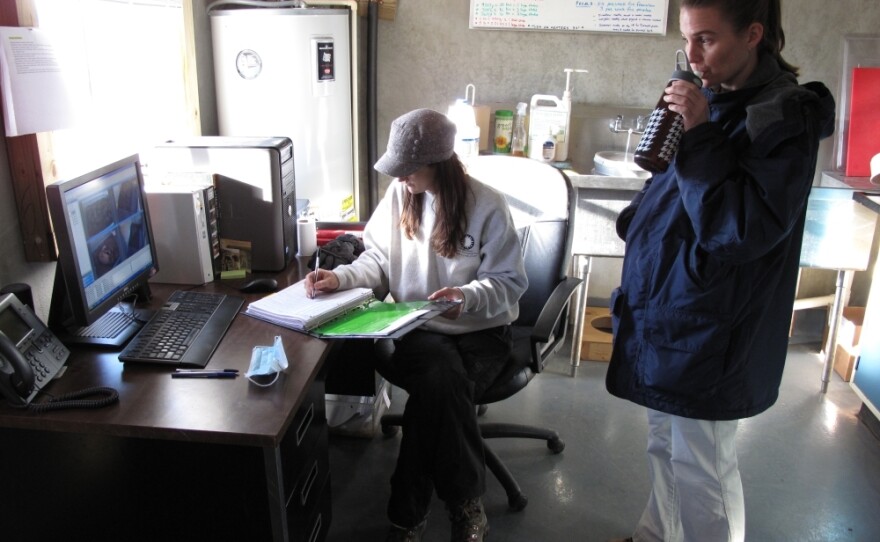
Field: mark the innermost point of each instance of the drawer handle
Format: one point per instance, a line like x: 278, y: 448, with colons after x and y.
x: 305, y: 423
x: 307, y: 486
x: 316, y: 529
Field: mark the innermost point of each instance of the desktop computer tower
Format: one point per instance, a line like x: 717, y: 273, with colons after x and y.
x: 255, y: 183
x: 184, y: 224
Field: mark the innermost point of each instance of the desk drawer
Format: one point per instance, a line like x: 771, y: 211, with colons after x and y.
x: 305, y: 432
x: 307, y: 487
x: 312, y: 525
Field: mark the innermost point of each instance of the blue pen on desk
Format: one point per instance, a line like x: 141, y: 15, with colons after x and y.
x: 202, y: 373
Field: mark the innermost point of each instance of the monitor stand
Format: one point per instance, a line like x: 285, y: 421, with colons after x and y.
x: 112, y: 330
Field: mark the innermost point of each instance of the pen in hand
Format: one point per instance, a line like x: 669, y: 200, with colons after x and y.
x: 314, y: 291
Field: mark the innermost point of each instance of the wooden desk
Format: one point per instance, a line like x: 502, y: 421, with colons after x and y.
x: 175, y: 459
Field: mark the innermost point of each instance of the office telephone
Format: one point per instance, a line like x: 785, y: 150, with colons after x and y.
x: 30, y: 354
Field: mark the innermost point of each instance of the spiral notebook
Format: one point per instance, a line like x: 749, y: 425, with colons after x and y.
x: 353, y: 313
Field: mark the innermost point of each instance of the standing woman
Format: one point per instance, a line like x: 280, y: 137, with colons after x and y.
x: 439, y: 234
x: 712, y: 248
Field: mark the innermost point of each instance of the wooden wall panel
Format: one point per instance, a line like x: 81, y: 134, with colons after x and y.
x: 26, y: 168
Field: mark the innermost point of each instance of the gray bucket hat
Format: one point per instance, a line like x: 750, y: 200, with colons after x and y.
x: 418, y: 138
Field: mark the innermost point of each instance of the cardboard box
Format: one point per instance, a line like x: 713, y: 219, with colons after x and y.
x: 848, y: 334
x: 596, y: 344
x: 844, y: 363
x: 849, y: 330
x: 851, y: 327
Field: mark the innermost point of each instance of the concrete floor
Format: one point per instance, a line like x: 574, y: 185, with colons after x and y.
x: 810, y: 467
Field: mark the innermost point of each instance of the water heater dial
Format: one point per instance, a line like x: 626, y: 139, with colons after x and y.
x: 248, y: 63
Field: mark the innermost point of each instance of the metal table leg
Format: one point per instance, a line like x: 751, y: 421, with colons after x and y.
x: 583, y: 272
x: 841, y: 295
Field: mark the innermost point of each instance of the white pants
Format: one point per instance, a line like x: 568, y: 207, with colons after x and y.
x: 696, y: 493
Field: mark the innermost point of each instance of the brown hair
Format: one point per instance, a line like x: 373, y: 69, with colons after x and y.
x: 450, y: 197
x: 742, y: 13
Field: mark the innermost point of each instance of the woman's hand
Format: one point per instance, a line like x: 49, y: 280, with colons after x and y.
x: 321, y: 280
x: 450, y: 294
x: 686, y: 99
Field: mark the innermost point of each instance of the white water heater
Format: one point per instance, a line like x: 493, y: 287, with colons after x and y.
x: 288, y: 72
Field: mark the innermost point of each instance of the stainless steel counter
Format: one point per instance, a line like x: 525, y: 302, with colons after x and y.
x: 599, y: 200
x: 833, y: 179
x: 831, y: 223
x: 602, y: 182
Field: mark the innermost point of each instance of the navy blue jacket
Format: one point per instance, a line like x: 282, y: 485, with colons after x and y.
x: 702, y: 315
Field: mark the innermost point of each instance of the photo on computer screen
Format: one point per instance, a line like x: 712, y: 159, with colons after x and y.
x: 137, y: 236
x: 98, y: 213
x: 127, y: 200
x: 106, y: 251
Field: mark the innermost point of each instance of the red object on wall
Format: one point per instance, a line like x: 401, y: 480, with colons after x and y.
x: 863, y: 141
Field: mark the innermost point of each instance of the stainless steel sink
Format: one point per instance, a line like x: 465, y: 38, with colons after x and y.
x: 618, y: 164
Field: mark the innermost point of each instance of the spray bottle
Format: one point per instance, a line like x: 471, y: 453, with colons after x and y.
x: 518, y: 137
x: 549, y: 112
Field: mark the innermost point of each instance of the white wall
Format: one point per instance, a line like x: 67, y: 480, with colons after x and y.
x: 427, y: 55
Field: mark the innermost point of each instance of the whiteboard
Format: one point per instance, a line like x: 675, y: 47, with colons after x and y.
x: 626, y: 16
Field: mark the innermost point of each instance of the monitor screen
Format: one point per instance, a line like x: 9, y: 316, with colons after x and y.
x: 105, y: 246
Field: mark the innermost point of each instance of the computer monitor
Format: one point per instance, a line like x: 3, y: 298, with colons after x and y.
x: 106, y: 254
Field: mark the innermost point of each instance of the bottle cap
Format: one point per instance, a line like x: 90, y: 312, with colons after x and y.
x: 683, y: 75
x: 683, y: 70
x: 504, y: 113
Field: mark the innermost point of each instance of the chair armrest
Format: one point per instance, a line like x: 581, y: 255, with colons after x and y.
x: 548, y: 320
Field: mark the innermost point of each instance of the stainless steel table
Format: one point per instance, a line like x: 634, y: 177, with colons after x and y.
x: 838, y: 235
x: 600, y: 200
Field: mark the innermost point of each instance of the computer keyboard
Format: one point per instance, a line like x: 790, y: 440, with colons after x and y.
x: 185, y: 331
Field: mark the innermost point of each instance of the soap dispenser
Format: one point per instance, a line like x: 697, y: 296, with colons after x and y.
x: 548, y: 112
x: 562, y: 144
x: 550, y: 146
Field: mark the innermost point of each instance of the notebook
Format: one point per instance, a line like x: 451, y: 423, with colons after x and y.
x: 353, y: 313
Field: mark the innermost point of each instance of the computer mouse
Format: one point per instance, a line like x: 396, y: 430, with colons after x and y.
x: 259, y: 285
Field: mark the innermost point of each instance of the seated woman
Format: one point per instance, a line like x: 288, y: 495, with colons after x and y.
x: 439, y: 234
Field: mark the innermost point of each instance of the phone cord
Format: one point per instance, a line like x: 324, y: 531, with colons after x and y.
x: 106, y: 396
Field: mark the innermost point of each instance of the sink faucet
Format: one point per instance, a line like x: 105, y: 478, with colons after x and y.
x: 637, y: 127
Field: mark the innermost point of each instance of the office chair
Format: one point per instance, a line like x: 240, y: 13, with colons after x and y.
x: 542, y: 204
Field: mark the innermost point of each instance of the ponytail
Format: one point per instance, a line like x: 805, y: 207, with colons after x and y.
x: 774, y: 36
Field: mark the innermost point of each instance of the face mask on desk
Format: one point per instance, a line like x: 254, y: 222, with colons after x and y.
x: 267, y: 362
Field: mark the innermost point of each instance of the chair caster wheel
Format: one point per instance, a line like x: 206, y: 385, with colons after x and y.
x: 390, y: 430
x: 517, y: 503
x: 556, y: 446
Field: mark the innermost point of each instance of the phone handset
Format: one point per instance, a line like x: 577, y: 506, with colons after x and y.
x: 16, y: 375
x: 31, y: 356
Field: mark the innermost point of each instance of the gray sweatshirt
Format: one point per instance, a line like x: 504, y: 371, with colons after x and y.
x: 488, y: 267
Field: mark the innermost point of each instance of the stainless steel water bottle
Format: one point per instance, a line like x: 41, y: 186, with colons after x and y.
x: 660, y: 139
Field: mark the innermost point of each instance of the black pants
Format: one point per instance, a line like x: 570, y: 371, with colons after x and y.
x: 441, y: 448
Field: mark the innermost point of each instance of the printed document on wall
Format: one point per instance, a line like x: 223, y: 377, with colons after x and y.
x: 35, y: 97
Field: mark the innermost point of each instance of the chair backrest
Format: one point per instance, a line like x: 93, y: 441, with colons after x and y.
x: 542, y: 204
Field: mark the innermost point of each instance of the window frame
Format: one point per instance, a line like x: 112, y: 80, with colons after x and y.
x: 31, y: 157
